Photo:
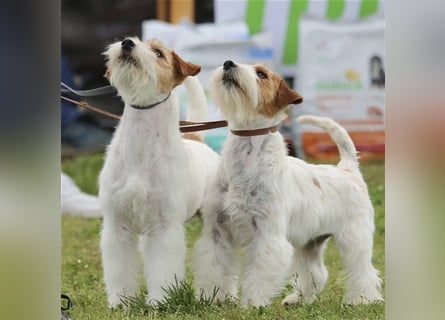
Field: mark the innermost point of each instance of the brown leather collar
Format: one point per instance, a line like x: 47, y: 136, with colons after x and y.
x: 254, y: 132
x: 184, y: 126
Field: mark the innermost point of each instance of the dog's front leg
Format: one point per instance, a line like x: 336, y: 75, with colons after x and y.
x: 119, y: 252
x: 164, y: 257
x: 215, y: 264
x: 268, y: 262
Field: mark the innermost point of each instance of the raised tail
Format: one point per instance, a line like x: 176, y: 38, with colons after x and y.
x: 346, y: 148
x: 197, y: 108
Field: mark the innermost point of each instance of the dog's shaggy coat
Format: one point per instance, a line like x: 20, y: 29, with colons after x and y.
x: 152, y: 180
x: 277, y: 209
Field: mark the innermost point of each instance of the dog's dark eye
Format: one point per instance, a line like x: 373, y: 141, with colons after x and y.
x: 158, y: 53
x: 261, y: 75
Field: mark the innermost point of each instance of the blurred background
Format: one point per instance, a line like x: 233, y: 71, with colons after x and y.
x: 331, y: 51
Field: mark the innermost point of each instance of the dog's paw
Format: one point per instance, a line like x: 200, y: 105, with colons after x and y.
x: 254, y: 302
x: 292, y: 298
x: 114, y: 302
x: 362, y: 299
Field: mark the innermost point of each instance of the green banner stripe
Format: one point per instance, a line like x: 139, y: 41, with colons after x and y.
x: 254, y: 15
x: 290, y: 52
x: 368, y: 8
x: 335, y: 9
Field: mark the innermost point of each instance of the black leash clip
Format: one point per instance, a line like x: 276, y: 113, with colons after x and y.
x: 65, y: 306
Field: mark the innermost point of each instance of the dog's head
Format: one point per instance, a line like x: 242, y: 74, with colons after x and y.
x: 143, y: 72
x: 251, y: 95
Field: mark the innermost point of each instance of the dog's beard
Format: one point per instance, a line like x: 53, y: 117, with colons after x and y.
x: 128, y: 58
x: 235, y: 106
x: 229, y: 80
x: 235, y: 96
x: 134, y: 84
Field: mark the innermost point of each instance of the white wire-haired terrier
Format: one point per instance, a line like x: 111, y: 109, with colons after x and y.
x: 152, y: 180
x: 279, y: 210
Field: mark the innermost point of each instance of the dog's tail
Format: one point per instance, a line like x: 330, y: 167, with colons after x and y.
x: 346, y: 148
x: 197, y: 108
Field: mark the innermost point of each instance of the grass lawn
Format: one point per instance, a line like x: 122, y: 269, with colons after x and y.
x: 82, y: 271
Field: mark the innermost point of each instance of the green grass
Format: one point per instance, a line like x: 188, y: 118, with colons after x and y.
x: 82, y: 271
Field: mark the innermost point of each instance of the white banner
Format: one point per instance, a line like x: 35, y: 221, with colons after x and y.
x: 282, y: 19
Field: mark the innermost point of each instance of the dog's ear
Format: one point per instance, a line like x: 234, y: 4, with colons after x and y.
x: 184, y: 68
x: 287, y: 96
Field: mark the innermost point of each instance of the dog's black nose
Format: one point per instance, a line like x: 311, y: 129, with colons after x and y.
x: 127, y: 44
x: 228, y: 64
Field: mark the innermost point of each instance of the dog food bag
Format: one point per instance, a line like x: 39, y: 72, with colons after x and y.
x: 341, y: 75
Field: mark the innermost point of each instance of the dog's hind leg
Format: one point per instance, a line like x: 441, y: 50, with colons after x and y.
x: 311, y: 271
x: 355, y: 247
x: 163, y: 253
x: 119, y: 261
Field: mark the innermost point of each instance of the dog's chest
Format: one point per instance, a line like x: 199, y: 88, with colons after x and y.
x: 143, y: 175
x: 249, y: 198
x: 244, y: 158
x: 242, y: 166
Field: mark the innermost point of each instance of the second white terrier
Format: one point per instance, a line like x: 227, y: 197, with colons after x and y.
x: 153, y: 180
x: 280, y: 210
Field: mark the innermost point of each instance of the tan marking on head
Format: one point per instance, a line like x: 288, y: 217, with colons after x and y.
x: 163, y: 66
x: 171, y: 70
x: 192, y: 136
x: 275, y: 94
x: 184, y: 69
x: 287, y: 96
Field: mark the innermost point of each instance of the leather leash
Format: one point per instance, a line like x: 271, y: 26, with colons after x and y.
x: 184, y: 126
x: 90, y: 107
x: 189, y: 126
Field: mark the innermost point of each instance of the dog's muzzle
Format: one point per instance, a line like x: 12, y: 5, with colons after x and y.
x: 127, y: 45
x: 126, y: 55
x: 228, y: 64
x: 229, y: 68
